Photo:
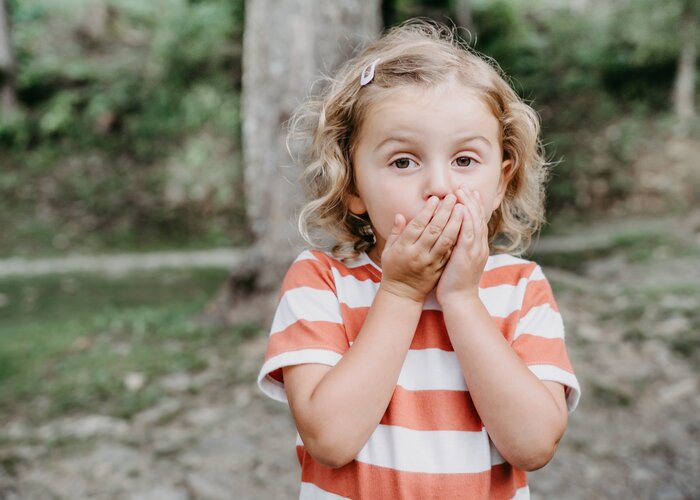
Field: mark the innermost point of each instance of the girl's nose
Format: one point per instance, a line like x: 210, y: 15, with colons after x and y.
x: 438, y: 183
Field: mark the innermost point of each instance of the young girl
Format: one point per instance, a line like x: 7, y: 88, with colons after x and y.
x: 419, y: 359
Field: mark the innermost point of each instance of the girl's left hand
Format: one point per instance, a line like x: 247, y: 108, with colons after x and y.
x: 462, y: 273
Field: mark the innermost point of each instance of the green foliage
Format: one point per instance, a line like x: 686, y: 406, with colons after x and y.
x: 129, y: 132
x: 110, y: 90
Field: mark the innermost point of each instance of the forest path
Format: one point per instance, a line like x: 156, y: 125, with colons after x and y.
x: 121, y: 263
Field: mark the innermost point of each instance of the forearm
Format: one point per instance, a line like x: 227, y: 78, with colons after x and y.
x: 520, y: 413
x: 348, y: 403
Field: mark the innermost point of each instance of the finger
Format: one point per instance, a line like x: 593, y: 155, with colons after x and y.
x: 466, y: 233
x: 484, y: 220
x: 480, y: 205
x: 415, y: 228
x: 435, y: 227
x: 396, y: 229
x: 477, y: 219
x: 448, y: 238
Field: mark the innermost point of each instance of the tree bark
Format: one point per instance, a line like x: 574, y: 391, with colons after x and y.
x: 8, y: 93
x: 286, y: 46
x: 684, y: 86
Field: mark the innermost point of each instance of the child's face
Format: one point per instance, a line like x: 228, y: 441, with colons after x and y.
x: 422, y: 142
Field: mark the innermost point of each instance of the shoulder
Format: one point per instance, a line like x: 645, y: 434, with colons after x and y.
x: 319, y: 269
x: 509, y: 269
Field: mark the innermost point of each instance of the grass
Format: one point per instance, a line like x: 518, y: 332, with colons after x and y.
x: 67, y: 343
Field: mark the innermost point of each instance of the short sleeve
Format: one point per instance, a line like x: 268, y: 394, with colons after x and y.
x: 539, y: 337
x: 308, y: 324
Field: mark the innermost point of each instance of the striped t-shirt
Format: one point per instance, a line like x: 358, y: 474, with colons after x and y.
x: 431, y: 442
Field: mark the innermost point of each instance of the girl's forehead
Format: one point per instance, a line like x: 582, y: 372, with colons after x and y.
x: 426, y: 120
x: 412, y: 104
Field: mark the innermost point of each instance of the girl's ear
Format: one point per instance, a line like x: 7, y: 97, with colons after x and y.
x: 355, y: 204
x: 506, y: 176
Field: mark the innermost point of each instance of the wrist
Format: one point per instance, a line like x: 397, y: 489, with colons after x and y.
x: 462, y: 299
x: 402, y: 292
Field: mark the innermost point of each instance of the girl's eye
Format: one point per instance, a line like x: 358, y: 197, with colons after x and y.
x: 403, y: 163
x: 464, y: 161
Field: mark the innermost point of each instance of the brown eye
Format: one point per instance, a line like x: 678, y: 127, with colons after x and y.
x: 402, y: 163
x: 464, y: 161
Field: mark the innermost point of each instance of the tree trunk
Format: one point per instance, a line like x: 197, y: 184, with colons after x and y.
x: 286, y: 46
x: 684, y: 86
x: 8, y: 96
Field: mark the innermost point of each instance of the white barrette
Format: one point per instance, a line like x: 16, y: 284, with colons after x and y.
x: 368, y: 73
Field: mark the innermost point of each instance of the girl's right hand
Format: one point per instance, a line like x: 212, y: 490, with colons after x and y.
x: 416, y: 253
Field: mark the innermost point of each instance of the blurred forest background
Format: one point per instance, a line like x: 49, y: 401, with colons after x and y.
x: 122, y: 131
x: 125, y: 128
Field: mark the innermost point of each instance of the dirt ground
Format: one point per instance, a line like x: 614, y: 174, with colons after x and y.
x: 633, y: 329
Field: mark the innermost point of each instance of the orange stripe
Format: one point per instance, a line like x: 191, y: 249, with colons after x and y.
x: 308, y: 335
x: 507, y: 275
x: 353, y: 319
x: 538, y: 293
x: 308, y: 273
x: 430, y: 332
x: 434, y: 410
x: 360, y: 480
x: 508, y: 325
x: 535, y: 350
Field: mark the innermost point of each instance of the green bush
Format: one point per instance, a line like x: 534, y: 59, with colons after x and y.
x: 109, y: 99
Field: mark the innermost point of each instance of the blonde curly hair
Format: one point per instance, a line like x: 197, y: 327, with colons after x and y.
x: 325, y: 128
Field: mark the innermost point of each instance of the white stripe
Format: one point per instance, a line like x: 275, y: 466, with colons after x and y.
x: 522, y: 493
x: 537, y: 274
x: 305, y: 303
x: 360, y: 293
x: 502, y: 300
x: 305, y: 255
x: 496, y: 457
x: 542, y: 321
x: 493, y: 261
x: 431, y: 369
x: 503, y: 259
x: 274, y: 389
x: 310, y: 491
x: 431, y: 303
x: 556, y: 374
x: 361, y: 260
x: 448, y: 452
x: 354, y: 292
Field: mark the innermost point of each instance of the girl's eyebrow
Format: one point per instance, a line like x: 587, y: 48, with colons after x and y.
x: 402, y: 139
x: 479, y: 138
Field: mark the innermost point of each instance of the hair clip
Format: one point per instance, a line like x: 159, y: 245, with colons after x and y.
x: 368, y: 73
